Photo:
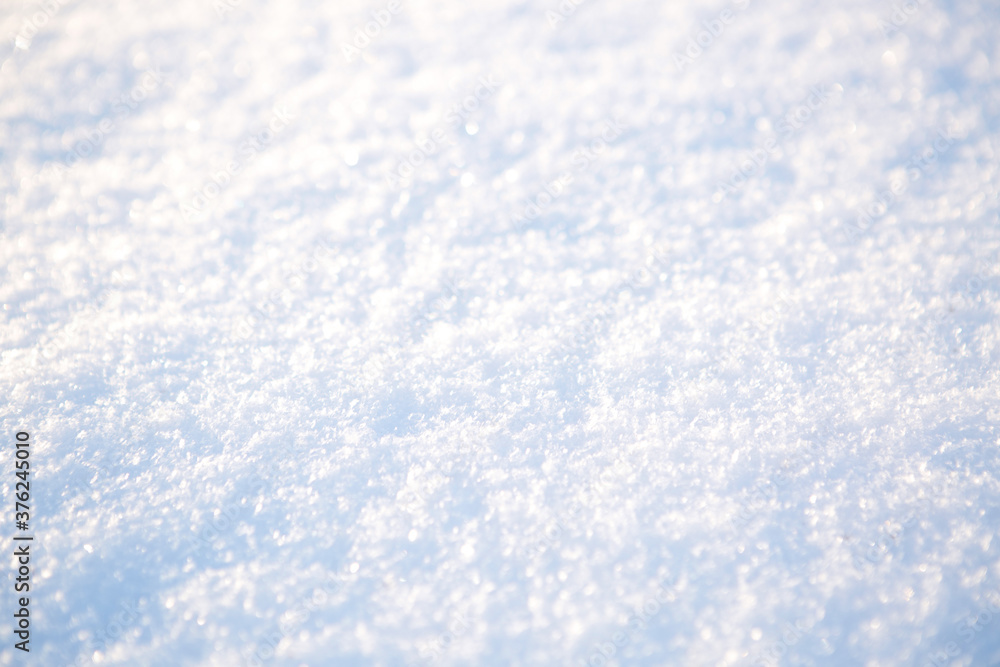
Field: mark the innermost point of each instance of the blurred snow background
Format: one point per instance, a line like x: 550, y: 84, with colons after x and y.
x: 518, y: 333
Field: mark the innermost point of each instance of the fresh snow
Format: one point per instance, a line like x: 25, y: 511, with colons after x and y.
x: 510, y: 333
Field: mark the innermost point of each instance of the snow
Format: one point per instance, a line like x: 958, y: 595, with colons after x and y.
x: 518, y: 334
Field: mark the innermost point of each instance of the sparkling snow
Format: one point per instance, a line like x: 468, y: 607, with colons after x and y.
x: 509, y: 333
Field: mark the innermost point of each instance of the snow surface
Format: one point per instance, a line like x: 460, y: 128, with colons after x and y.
x: 676, y: 415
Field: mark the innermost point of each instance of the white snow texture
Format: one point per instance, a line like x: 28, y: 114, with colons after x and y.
x: 561, y: 332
